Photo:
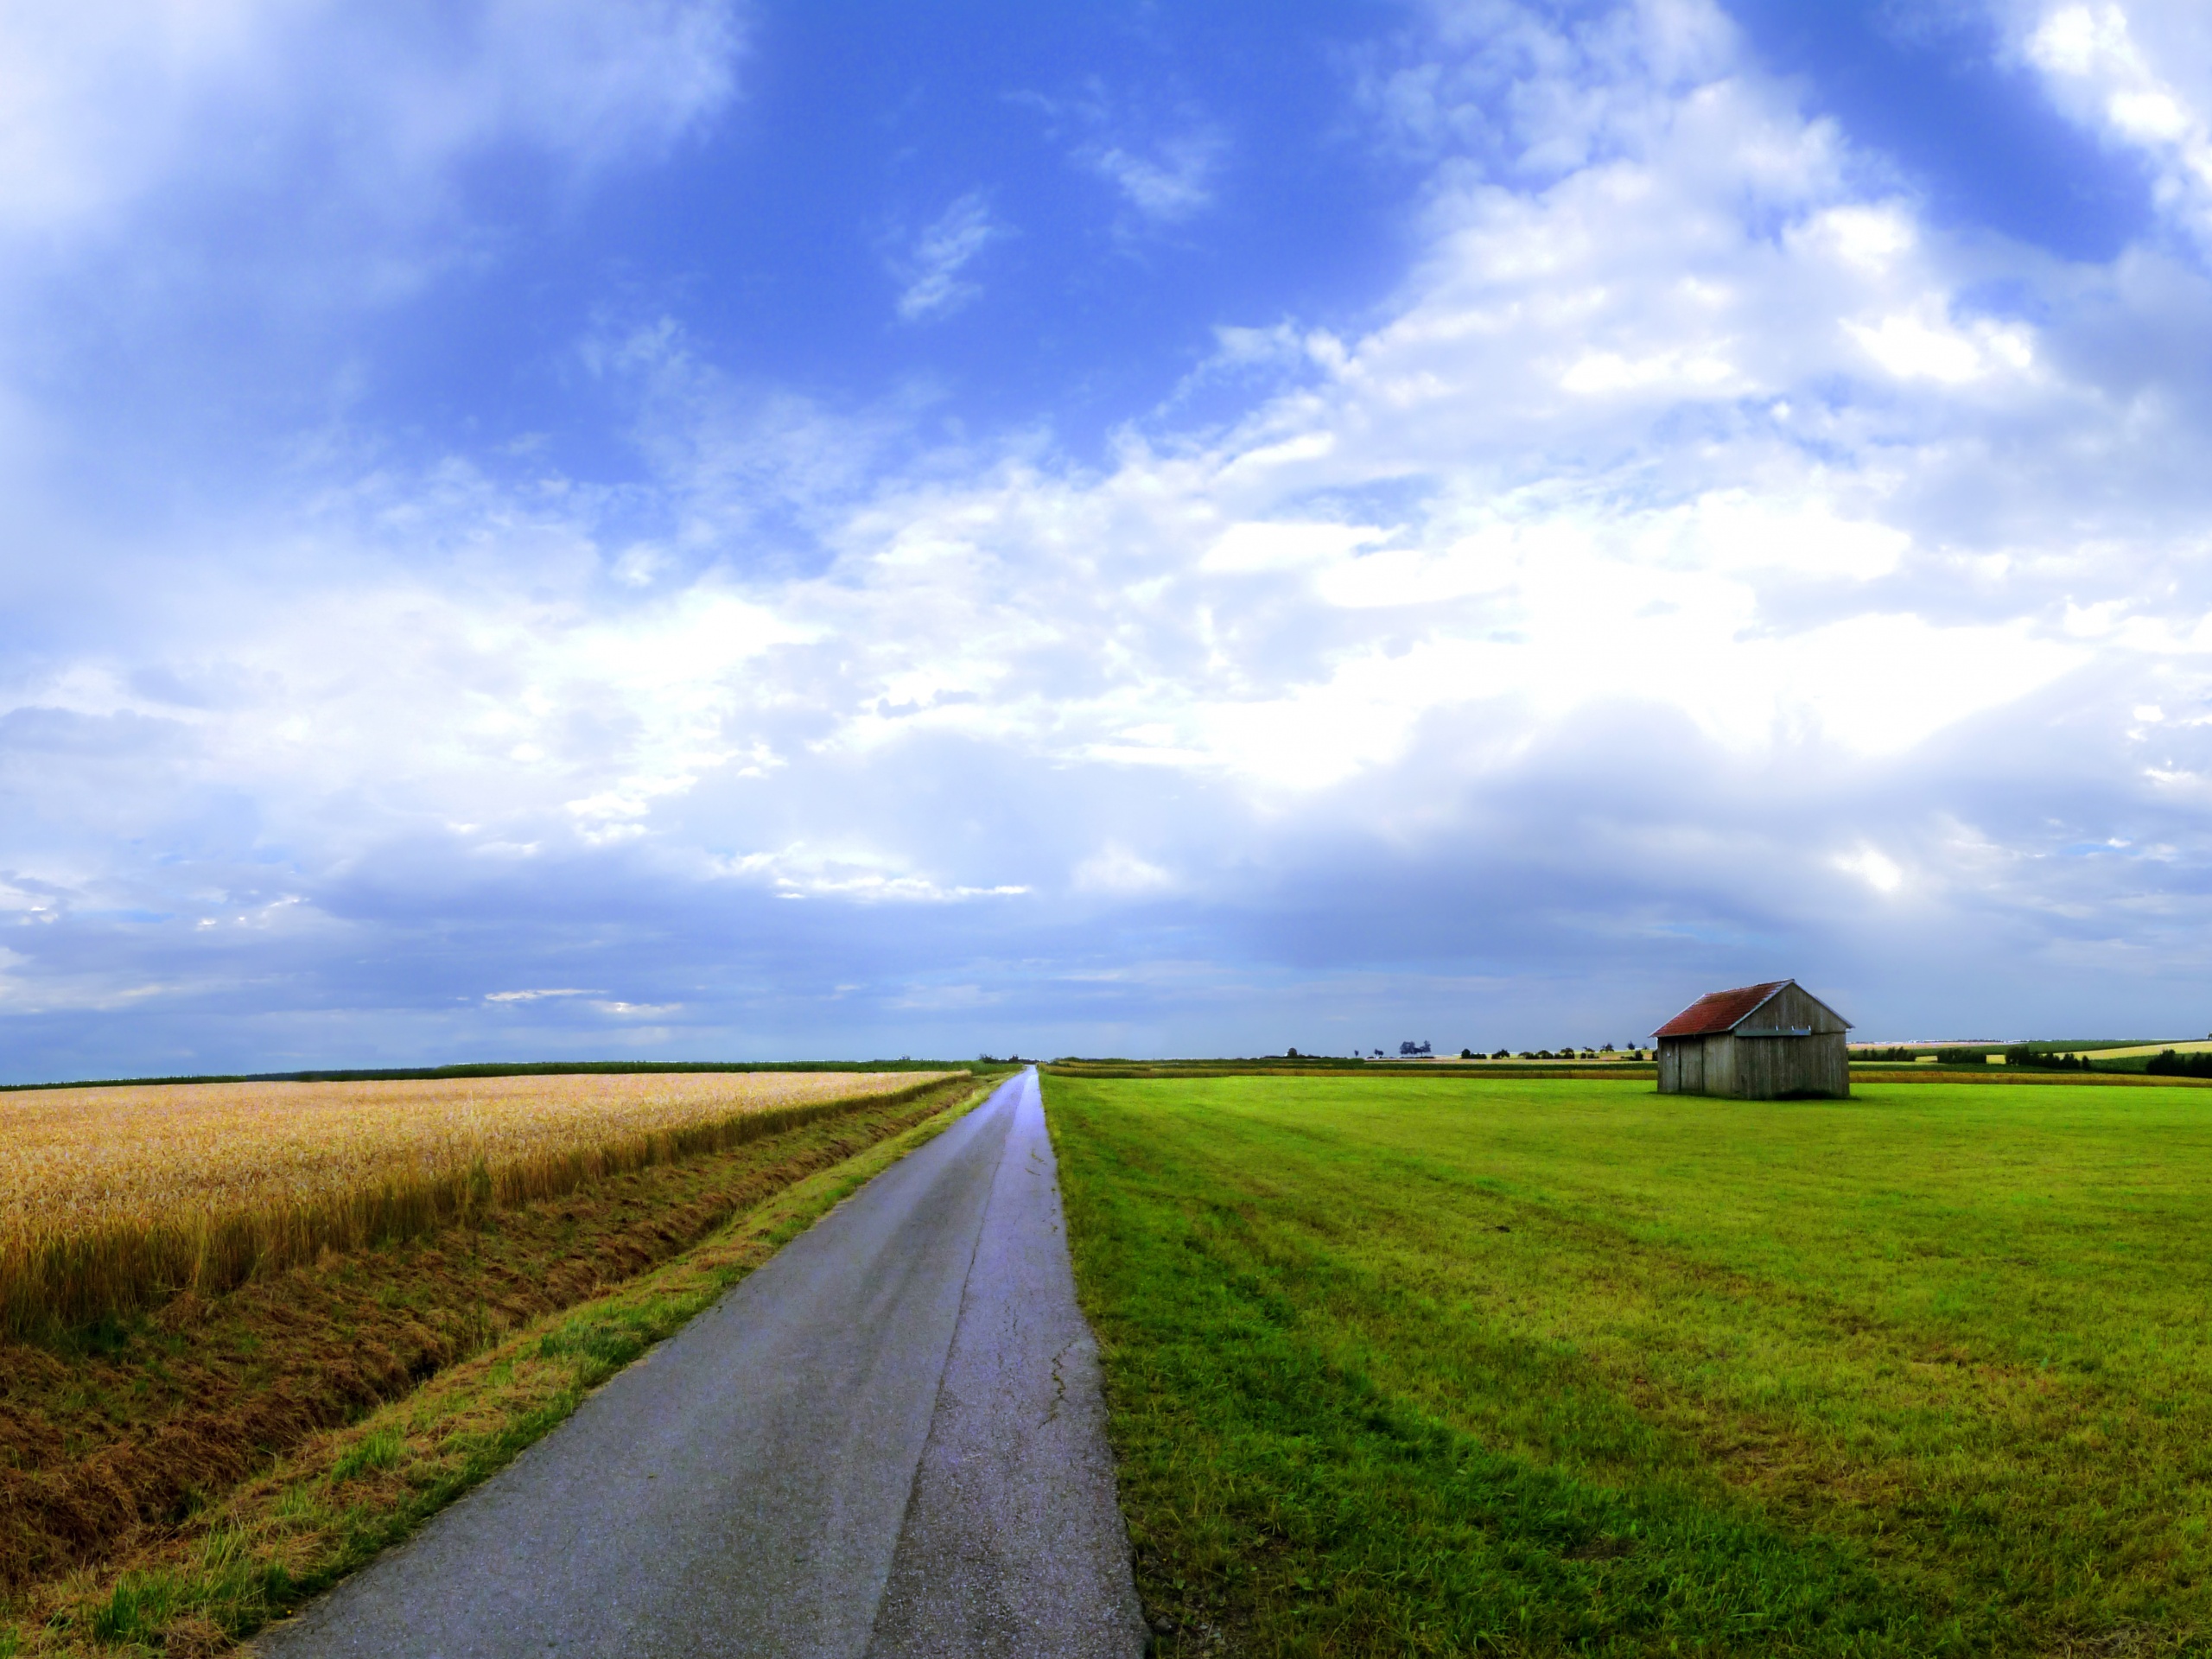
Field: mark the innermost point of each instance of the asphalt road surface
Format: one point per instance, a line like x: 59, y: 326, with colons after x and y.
x: 887, y: 1441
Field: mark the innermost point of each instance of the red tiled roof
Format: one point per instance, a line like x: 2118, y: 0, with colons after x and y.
x: 1718, y: 1011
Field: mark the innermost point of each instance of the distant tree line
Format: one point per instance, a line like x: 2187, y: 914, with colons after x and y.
x: 2018, y: 1054
x: 2167, y: 1063
x: 2043, y: 1060
x: 1607, y: 1053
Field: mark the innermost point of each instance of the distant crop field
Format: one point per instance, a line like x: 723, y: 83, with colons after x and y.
x: 1533, y: 1366
x: 110, y: 1198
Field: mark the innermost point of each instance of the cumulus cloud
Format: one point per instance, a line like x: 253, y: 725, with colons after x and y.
x: 2140, y: 75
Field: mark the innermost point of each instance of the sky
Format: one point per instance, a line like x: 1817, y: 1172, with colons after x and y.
x: 693, y: 529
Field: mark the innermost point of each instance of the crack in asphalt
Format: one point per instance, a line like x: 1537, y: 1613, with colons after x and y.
x: 1059, y: 1382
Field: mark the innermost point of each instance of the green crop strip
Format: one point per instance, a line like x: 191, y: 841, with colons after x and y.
x: 1539, y: 1367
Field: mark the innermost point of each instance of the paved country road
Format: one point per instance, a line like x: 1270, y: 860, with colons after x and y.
x: 887, y: 1441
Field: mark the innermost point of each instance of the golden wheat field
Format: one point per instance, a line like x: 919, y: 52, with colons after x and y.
x: 112, y: 1197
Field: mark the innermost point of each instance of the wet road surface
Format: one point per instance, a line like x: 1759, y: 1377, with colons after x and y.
x: 887, y: 1441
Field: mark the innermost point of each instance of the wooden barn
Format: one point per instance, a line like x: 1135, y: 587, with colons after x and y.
x: 1761, y: 1042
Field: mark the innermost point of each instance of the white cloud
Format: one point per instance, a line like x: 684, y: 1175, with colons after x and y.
x: 931, y: 269
x: 1115, y: 869
x: 102, y: 107
x: 1250, y: 547
x: 1162, y: 162
x: 1873, y: 867
x: 1930, y: 348
x: 1171, y: 181
x: 854, y: 872
x: 2148, y: 93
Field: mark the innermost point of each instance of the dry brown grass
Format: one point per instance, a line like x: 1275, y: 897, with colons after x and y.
x: 112, y: 1199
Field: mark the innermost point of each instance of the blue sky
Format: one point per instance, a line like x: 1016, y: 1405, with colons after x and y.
x: 695, y: 529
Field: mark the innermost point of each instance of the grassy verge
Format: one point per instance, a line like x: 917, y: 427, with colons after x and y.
x: 1568, y: 1367
x: 221, y: 1572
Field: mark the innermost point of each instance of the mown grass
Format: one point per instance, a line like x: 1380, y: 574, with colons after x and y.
x: 1608, y: 1068
x: 1541, y: 1367
x: 248, y: 1553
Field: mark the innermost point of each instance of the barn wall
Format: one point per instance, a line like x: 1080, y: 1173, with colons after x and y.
x: 1682, y: 1066
x: 1720, y: 1077
x: 1769, y: 1066
x: 1827, y: 1064
x: 1755, y: 1068
x: 1790, y: 1005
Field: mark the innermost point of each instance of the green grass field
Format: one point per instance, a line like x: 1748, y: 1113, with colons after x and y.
x: 1529, y: 1366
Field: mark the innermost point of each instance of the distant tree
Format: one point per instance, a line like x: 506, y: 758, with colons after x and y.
x: 2042, y: 1059
x: 1501, y: 1055
x: 1293, y: 1054
x: 2168, y: 1064
x: 1466, y: 1053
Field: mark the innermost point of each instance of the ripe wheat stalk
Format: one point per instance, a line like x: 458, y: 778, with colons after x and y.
x: 113, y: 1199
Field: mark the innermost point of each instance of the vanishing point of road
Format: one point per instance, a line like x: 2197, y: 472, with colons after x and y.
x: 887, y: 1441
